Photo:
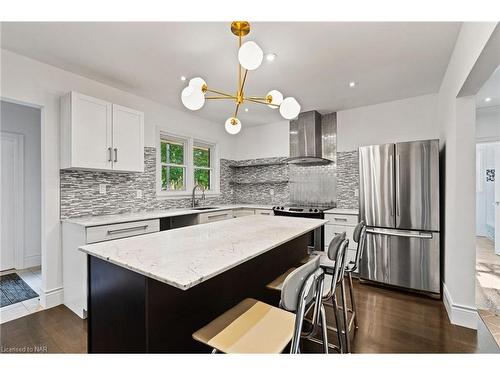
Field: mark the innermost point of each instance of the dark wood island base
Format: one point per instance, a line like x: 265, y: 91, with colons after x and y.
x: 132, y: 313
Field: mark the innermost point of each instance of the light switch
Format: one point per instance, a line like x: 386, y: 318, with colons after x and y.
x: 271, y: 191
x: 102, y: 188
x: 138, y: 194
x: 356, y: 192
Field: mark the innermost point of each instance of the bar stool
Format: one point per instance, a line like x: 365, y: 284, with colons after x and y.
x: 333, y: 264
x: 359, y: 236
x: 256, y: 327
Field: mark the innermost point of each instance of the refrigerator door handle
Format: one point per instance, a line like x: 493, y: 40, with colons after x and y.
x: 400, y: 233
x: 398, y: 175
x: 391, y: 167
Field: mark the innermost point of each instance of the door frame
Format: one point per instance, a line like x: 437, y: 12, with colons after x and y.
x: 19, y: 197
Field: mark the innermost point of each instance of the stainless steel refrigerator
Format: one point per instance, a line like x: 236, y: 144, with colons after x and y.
x: 399, y: 201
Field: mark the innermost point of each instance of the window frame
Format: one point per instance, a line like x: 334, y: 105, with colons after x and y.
x: 184, y: 143
x: 189, y: 142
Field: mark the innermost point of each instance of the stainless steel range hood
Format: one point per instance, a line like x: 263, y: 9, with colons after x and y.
x: 313, y: 139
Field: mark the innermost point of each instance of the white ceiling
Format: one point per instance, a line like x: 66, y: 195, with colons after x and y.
x: 315, y: 62
x: 490, y: 89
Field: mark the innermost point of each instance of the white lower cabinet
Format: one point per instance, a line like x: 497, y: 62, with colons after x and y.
x: 75, y: 262
x: 338, y: 223
x: 239, y: 212
x: 264, y: 212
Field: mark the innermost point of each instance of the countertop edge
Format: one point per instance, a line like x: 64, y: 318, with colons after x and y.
x: 203, y: 278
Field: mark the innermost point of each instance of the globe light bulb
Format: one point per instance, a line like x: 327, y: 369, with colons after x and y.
x: 250, y: 55
x: 197, y: 82
x: 289, y: 108
x: 192, y: 98
x: 233, y: 125
x: 277, y: 98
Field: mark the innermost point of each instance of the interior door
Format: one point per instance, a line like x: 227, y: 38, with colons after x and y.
x: 417, y: 185
x: 128, y: 139
x: 376, y: 185
x: 497, y: 199
x: 9, y: 184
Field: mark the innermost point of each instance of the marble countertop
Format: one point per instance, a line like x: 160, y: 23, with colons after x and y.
x: 92, y: 221
x: 345, y: 211
x: 187, y: 256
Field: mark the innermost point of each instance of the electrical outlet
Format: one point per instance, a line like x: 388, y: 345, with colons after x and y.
x: 102, y: 189
x: 232, y: 191
x: 356, y: 192
x: 138, y: 194
x: 271, y: 191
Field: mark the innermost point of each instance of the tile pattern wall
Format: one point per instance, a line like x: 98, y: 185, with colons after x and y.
x: 348, y: 179
x: 80, y: 190
x: 313, y: 185
x: 289, y: 183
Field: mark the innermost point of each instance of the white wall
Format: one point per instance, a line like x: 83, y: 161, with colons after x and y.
x: 263, y: 141
x: 488, y: 124
x: 456, y: 119
x: 26, y: 121
x: 29, y: 81
x: 401, y: 120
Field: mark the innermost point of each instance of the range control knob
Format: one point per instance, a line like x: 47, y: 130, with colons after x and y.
x: 310, y: 210
x: 282, y: 208
x: 315, y: 210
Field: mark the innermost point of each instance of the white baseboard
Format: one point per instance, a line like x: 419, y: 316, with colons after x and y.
x: 52, y: 298
x: 460, y: 315
x: 32, y: 261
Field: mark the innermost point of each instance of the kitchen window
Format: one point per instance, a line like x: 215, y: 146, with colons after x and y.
x: 185, y: 162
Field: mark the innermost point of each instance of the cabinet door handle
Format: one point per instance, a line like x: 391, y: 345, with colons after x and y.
x: 123, y: 230
x: 116, y: 155
x: 110, y: 159
x: 340, y: 219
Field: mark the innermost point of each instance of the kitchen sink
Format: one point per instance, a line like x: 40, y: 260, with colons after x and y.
x: 204, y: 208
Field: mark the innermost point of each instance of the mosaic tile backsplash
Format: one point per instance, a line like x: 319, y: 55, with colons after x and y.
x: 261, y: 181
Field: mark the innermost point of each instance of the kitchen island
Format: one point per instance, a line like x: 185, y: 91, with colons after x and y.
x: 149, y: 293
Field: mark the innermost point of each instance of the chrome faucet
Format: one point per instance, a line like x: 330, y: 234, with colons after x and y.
x: 194, y: 202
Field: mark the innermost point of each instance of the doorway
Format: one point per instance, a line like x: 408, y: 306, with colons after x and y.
x: 488, y: 203
x: 20, y: 251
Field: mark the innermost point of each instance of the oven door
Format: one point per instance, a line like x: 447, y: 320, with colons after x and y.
x: 316, y: 242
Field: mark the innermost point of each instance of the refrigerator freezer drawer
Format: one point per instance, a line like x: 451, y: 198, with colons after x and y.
x: 408, y: 259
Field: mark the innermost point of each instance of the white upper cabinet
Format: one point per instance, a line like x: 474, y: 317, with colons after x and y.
x: 99, y: 135
x: 128, y: 139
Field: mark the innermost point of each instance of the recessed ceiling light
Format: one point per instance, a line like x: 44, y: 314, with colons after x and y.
x: 352, y: 84
x: 183, y: 78
x: 246, y: 109
x: 487, y: 100
x: 271, y: 56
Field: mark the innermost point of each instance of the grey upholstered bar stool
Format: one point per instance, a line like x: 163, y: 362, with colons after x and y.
x: 359, y: 237
x: 333, y: 264
x: 245, y: 328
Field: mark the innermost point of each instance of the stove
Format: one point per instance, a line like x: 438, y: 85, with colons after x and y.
x: 316, y: 242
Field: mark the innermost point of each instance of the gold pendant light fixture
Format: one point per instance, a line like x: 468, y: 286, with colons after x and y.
x: 250, y: 57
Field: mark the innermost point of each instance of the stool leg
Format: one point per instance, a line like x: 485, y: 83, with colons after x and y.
x: 324, y: 329
x: 337, y: 321
x: 346, y: 320
x: 353, y: 302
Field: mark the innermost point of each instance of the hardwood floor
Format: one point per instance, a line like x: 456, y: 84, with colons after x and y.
x: 389, y: 322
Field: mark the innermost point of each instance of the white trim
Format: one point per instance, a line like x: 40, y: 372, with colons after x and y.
x: 32, y: 261
x: 52, y: 298
x: 19, y: 196
x: 461, y: 315
x: 189, y: 141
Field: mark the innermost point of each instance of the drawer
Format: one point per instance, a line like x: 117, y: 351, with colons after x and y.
x: 332, y: 230
x: 264, y: 212
x: 243, y: 212
x: 209, y: 217
x: 121, y: 230
x: 339, y: 219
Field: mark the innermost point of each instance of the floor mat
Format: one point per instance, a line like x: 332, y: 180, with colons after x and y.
x: 13, y: 289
